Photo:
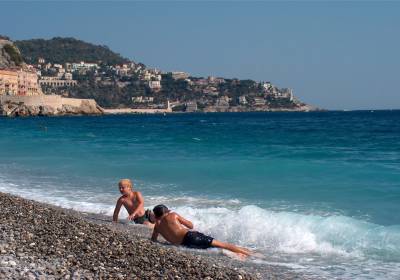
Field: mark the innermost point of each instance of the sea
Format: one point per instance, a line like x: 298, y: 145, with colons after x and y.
x: 318, y: 192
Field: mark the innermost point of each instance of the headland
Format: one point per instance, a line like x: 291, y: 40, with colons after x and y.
x: 75, y: 69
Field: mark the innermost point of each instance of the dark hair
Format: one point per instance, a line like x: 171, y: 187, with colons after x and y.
x: 160, y: 210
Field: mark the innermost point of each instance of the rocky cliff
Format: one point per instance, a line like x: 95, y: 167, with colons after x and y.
x: 24, y: 106
x: 9, y: 54
x: 39, y: 104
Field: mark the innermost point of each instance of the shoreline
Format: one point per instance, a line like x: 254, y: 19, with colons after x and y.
x: 41, y: 241
x: 127, y: 111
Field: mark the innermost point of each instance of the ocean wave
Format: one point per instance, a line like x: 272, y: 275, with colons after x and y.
x: 271, y: 231
x: 295, y: 233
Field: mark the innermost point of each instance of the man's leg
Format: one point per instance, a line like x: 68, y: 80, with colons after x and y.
x: 230, y: 247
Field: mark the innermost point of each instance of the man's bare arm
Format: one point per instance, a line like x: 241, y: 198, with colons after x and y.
x: 154, y: 236
x: 185, y: 222
x: 140, y: 205
x: 117, y: 209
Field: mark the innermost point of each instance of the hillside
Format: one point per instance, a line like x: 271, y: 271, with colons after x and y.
x: 9, y: 54
x: 62, y: 50
x: 133, y: 85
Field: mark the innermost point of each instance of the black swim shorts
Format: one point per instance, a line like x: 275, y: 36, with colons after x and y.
x: 144, y: 218
x: 197, y: 240
x: 140, y: 220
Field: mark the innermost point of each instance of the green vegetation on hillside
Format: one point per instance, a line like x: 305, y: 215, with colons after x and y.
x: 136, y: 86
x: 62, y: 50
x: 15, y: 56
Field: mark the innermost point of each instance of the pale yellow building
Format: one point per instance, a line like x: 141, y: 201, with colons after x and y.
x: 19, y: 82
x: 8, y: 82
x: 28, y: 83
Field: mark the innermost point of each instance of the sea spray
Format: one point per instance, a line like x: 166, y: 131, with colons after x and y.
x: 288, y: 232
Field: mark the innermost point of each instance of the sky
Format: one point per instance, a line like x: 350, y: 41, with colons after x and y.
x: 334, y: 54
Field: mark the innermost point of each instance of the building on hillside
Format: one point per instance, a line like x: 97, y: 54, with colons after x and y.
x: 285, y: 93
x: 154, y: 85
x: 142, y: 99
x: 68, y: 67
x: 191, y: 106
x: 211, y: 91
x: 242, y: 100
x: 83, y: 66
x: 175, y: 103
x: 68, y: 76
x: 146, y: 76
x: 200, y: 82
x: 28, y: 83
x: 56, y: 82
x: 267, y: 86
x: 179, y: 75
x: 8, y: 82
x: 19, y: 82
x: 259, y: 101
x: 214, y: 80
x: 222, y: 102
x: 47, y: 66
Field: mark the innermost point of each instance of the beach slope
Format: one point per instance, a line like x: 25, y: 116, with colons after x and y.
x: 39, y: 241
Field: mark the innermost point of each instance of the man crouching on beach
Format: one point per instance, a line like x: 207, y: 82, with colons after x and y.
x: 175, y: 229
x: 133, y: 203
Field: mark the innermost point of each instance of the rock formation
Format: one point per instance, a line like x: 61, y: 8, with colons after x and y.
x: 22, y: 103
x: 9, y: 54
x: 14, y: 108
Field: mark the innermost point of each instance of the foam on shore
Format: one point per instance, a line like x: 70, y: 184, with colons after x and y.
x: 306, y: 242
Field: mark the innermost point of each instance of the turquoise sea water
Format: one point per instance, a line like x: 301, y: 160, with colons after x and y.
x: 319, y: 192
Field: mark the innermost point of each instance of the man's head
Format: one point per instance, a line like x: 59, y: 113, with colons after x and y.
x: 160, y: 210
x: 150, y: 216
x: 125, y: 186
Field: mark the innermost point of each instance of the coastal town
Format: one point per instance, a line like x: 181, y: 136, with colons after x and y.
x: 129, y: 86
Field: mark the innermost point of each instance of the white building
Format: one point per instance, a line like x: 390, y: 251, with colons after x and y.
x: 259, y: 101
x: 142, y: 99
x: 84, y: 66
x: 155, y: 85
x: 180, y: 75
x: 267, y: 86
x: 242, y: 100
x: 56, y: 82
x: 68, y: 76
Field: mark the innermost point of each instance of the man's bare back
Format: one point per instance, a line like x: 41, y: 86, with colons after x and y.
x: 177, y: 230
x: 172, y: 227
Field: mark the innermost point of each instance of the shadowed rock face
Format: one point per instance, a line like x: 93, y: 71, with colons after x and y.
x: 9, y: 54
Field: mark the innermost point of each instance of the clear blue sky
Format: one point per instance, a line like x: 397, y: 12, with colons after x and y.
x: 336, y: 55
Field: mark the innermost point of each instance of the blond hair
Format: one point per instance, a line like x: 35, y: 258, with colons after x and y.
x: 125, y: 182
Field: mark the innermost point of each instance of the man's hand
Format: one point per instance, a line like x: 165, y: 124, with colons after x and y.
x: 132, y: 216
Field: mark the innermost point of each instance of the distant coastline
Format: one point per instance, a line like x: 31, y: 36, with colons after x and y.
x: 76, y: 70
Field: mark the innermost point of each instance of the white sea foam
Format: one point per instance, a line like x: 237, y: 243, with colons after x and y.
x: 304, y: 240
x: 251, y: 226
x: 297, y: 233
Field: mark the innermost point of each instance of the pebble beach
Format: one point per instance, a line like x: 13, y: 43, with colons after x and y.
x: 40, y: 241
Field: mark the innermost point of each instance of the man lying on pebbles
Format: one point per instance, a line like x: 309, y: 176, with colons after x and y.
x: 173, y: 227
x: 176, y: 230
x: 133, y: 203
